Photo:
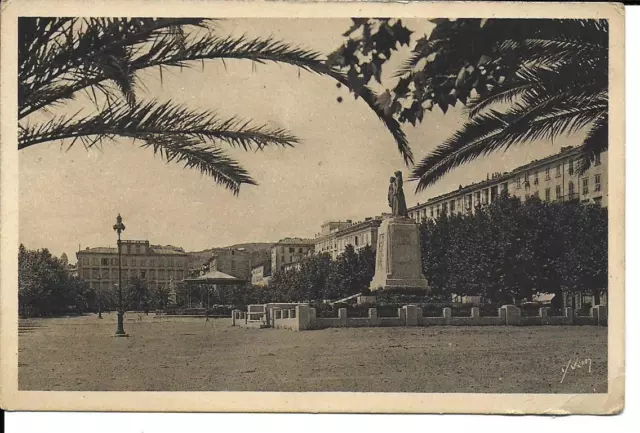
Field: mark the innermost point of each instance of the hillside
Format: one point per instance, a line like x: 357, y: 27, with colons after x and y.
x: 198, y: 258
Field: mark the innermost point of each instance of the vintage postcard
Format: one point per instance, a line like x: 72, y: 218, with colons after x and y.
x: 312, y: 207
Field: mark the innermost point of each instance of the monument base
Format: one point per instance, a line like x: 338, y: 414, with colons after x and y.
x: 398, y: 256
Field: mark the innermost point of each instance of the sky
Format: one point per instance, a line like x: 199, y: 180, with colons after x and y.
x: 70, y: 198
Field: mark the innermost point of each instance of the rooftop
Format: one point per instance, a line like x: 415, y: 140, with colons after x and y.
x: 166, y: 250
x: 295, y: 241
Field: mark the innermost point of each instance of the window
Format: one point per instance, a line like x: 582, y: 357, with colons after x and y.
x: 485, y: 196
x: 547, y: 176
x: 137, y: 249
x: 152, y: 263
x: 571, y: 167
x: 143, y: 262
x: 558, y: 172
x: 438, y: 210
x: 292, y: 250
x: 355, y: 241
x: 86, y: 274
x: 597, y: 182
x: 104, y: 262
x: 571, y: 191
x: 444, y: 208
x: 431, y: 212
x: 505, y: 187
x: 94, y: 261
x: 133, y: 263
x: 558, y: 192
x: 300, y: 250
x: 547, y: 194
x: 598, y: 162
x: 477, y: 194
x: 535, y: 177
x: 452, y: 206
x: 585, y: 185
x: 143, y: 274
x: 518, y: 180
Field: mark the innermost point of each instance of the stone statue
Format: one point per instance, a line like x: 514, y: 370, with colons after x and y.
x: 392, y: 191
x: 398, y: 203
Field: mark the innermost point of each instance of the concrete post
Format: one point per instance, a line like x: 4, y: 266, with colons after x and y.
x: 419, y: 315
x: 446, y: 313
x: 502, y: 313
x: 568, y: 315
x: 603, y: 315
x: 402, y: 314
x: 411, y: 316
x: 512, y: 314
x: 342, y: 316
x: 234, y: 313
x: 594, y: 314
x: 312, y: 317
x: 475, y: 312
x: 373, y: 314
x: 302, y: 317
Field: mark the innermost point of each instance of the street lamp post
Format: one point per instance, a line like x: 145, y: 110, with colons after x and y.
x: 119, y: 228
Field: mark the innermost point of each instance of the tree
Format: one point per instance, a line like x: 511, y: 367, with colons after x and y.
x: 101, y: 58
x: 137, y: 294
x: 46, y: 288
x: 511, y: 250
x: 520, y: 80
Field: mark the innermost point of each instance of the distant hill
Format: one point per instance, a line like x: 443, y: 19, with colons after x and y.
x: 199, y: 258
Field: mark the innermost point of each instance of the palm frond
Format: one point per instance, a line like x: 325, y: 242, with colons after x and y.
x: 84, y: 68
x: 488, y: 132
x: 210, y: 160
x: 157, y: 118
x: 596, y: 142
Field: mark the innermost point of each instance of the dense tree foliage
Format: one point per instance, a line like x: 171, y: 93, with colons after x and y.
x: 46, y: 288
x: 513, y: 250
x: 520, y: 80
x: 320, y: 277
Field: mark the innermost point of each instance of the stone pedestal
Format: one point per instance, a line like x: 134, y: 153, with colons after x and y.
x: 398, y: 256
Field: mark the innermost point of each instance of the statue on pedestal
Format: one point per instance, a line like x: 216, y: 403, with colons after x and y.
x: 398, y: 253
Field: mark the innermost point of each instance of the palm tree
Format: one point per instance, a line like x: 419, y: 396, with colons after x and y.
x: 531, y: 79
x: 520, y: 80
x: 59, y: 58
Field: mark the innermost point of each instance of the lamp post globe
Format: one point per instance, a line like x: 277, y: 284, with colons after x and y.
x: 119, y: 228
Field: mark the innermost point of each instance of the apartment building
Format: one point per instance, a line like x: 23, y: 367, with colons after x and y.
x: 156, y: 264
x: 551, y: 179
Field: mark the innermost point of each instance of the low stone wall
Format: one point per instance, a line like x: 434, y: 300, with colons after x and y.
x: 303, y: 317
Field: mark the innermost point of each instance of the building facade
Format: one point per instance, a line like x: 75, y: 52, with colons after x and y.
x: 554, y: 178
x: 158, y: 265
x: 359, y: 234
x: 260, y: 276
x: 290, y: 250
x: 231, y: 261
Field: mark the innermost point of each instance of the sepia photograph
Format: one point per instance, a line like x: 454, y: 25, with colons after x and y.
x: 385, y: 202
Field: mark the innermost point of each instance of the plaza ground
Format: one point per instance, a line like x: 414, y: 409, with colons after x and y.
x: 190, y: 354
